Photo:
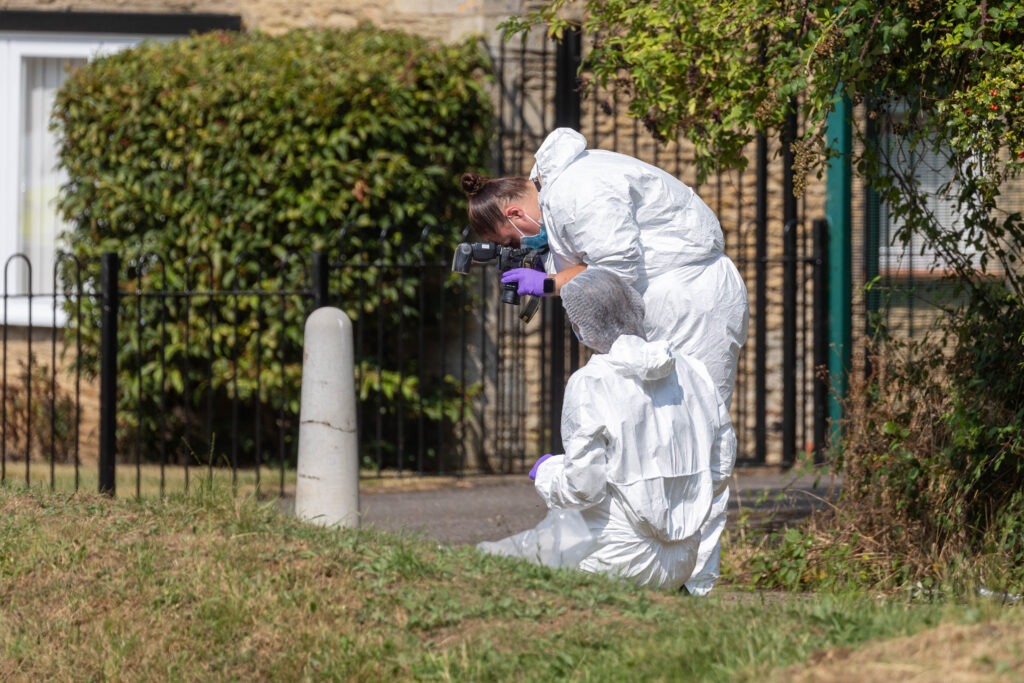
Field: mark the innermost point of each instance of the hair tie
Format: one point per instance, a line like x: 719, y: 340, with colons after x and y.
x: 472, y: 183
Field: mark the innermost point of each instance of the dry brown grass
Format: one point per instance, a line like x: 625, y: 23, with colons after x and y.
x: 950, y: 653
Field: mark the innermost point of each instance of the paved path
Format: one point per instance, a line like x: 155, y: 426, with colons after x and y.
x: 473, y: 509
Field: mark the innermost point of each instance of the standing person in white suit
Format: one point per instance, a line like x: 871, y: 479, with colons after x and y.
x: 595, y: 208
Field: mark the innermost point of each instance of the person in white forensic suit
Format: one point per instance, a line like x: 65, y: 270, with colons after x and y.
x: 596, y: 208
x: 642, y: 426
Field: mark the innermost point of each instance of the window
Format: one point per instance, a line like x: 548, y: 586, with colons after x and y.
x: 32, y: 68
x: 937, y: 188
x: 38, y: 49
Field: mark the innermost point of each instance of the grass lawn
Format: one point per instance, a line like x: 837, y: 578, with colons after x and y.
x: 214, y: 586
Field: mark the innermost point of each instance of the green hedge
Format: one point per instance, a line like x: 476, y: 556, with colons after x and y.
x: 252, y: 151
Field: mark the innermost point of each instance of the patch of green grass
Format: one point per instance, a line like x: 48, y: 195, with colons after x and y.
x: 151, y: 480
x: 213, y: 586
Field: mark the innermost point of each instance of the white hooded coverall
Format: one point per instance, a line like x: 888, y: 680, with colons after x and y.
x: 640, y: 425
x: 611, y: 210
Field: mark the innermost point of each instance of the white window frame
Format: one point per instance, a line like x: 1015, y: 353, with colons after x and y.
x: 15, y: 47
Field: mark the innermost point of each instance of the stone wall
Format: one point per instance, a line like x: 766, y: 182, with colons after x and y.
x: 444, y: 19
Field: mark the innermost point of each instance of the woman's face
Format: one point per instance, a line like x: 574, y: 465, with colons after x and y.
x: 522, y: 219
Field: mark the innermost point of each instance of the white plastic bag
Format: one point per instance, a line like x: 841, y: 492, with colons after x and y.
x: 561, y: 539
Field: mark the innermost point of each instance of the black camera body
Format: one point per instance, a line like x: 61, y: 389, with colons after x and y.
x: 507, y: 258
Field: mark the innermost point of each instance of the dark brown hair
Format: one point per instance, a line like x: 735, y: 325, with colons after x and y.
x: 487, y: 200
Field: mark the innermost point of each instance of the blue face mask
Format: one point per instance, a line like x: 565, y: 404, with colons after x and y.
x: 538, y: 241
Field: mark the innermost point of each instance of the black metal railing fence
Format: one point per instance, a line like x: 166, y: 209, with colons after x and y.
x: 132, y: 373
x: 450, y: 381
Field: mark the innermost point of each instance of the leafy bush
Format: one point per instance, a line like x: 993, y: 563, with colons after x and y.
x: 932, y: 465
x: 217, y: 163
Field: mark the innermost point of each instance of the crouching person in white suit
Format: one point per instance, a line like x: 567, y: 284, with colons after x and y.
x: 642, y: 427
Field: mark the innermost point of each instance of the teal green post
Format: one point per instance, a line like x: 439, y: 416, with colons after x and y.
x: 838, y: 190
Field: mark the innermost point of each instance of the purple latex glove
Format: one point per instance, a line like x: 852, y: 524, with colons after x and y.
x: 536, y: 465
x: 530, y: 281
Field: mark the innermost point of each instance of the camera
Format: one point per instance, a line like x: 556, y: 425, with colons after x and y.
x: 468, y: 253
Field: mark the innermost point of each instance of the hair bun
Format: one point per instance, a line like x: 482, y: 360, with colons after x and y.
x: 471, y: 183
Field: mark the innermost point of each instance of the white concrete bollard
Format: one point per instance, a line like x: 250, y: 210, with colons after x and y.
x: 327, y: 487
